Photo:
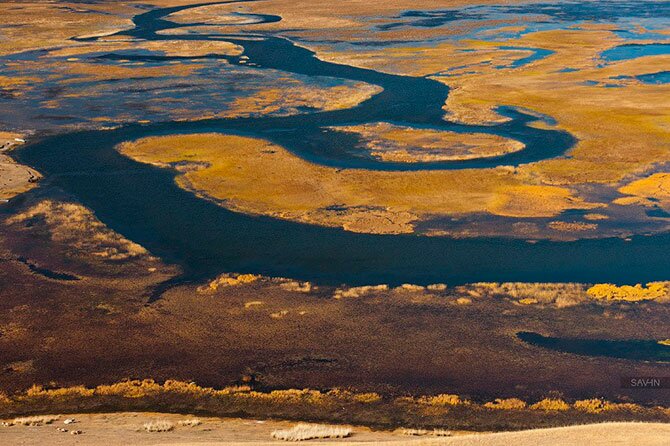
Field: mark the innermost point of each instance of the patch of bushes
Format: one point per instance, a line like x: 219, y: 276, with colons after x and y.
x: 305, y: 431
x: 334, y: 406
x: 158, y: 426
x: 551, y: 404
x: 628, y: 293
x: 444, y: 399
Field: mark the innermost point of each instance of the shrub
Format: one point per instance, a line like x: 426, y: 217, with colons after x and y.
x: 35, y: 421
x: 298, y: 287
x: 413, y: 432
x: 593, y: 405
x: 443, y: 399
x: 359, y: 291
x: 421, y: 432
x: 158, y: 426
x: 191, y: 422
x: 304, y: 431
x: 367, y: 398
x: 410, y: 287
x: 506, y: 404
x: 131, y: 389
x: 551, y: 404
x: 64, y: 392
x: 226, y: 280
x: 608, y: 291
x: 527, y: 293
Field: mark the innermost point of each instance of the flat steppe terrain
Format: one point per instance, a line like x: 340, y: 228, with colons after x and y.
x: 127, y: 429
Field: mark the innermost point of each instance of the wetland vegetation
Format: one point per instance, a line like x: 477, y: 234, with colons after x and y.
x: 392, y: 200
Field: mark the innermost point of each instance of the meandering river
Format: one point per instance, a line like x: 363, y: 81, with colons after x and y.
x: 144, y: 204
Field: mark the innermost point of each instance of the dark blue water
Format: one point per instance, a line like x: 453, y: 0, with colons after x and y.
x: 634, y: 349
x: 144, y: 204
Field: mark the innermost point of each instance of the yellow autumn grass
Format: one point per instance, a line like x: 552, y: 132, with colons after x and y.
x: 255, y: 176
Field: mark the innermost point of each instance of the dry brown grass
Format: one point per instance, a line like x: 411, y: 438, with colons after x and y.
x: 158, y: 426
x: 412, y: 432
x: 359, y: 291
x: 389, y: 142
x: 443, y: 399
x: 191, y: 422
x: 558, y: 294
x: 293, y: 96
x: 302, y: 431
x: 37, y: 420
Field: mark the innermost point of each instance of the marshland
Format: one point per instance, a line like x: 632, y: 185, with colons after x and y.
x: 435, y: 215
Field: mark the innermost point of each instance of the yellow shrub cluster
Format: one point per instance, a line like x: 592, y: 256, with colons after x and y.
x: 550, y: 404
x: 608, y: 291
x: 444, y: 399
x: 64, y: 392
x: 226, y: 280
x: 178, y: 395
x: 597, y: 405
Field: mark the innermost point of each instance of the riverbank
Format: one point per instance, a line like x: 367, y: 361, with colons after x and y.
x: 14, y: 178
x: 392, y: 340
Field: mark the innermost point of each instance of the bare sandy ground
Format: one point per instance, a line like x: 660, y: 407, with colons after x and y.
x: 14, y: 178
x: 127, y: 429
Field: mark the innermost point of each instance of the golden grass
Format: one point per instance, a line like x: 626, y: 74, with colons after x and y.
x: 443, y: 400
x: 226, y: 280
x: 343, y: 405
x: 33, y: 25
x: 557, y: 294
x: 294, y: 95
x: 617, y: 137
x: 254, y: 176
x: 651, y: 191
x: 551, y: 404
x: 597, y: 405
x: 388, y: 142
x: 77, y: 227
x: 610, y: 292
x: 178, y: 48
x: 359, y: 291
